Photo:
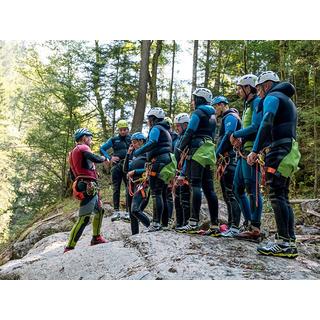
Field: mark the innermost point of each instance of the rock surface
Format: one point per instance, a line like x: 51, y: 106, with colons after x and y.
x: 159, y: 255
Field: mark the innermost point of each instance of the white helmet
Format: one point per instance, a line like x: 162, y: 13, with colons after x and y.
x: 204, y: 93
x: 248, y: 80
x: 156, y: 112
x: 267, y: 76
x: 182, y: 118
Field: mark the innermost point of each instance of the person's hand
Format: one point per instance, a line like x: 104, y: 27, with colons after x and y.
x: 252, y: 158
x: 236, y: 142
x: 232, y: 139
x: 104, y: 158
x: 130, y: 174
x: 131, y: 148
x: 114, y: 159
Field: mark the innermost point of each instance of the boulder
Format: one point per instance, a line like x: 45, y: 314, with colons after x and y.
x: 156, y: 256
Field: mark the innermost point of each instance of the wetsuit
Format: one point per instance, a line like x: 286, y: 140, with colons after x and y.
x: 83, y: 171
x: 230, y: 123
x: 174, y: 137
x: 120, y: 146
x: 279, y: 123
x: 139, y: 199
x: 246, y: 176
x: 201, y: 128
x: 182, y: 196
x: 158, y: 148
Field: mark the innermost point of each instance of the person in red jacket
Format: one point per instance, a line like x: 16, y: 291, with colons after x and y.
x: 85, y: 188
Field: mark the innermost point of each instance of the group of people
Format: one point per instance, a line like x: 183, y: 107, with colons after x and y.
x: 176, y: 167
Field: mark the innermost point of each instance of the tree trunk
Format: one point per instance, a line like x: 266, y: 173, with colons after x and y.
x: 245, y: 57
x: 282, y: 53
x: 96, y: 79
x: 207, y: 66
x: 172, y: 76
x: 218, y: 72
x: 143, y: 84
x: 115, y: 95
x: 153, y: 78
x: 194, y: 66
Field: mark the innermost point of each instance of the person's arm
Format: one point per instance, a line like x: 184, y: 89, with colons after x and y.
x: 139, y: 171
x: 150, y: 144
x: 93, y: 157
x: 106, y: 146
x: 253, y: 128
x: 230, y: 126
x: 270, y: 108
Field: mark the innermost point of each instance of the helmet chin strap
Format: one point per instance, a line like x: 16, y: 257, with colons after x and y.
x: 245, y: 93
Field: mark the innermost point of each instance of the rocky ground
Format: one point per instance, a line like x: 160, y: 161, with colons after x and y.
x: 160, y: 255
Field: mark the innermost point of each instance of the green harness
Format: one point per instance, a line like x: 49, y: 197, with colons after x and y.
x: 168, y: 172
x: 289, y: 164
x: 205, y: 154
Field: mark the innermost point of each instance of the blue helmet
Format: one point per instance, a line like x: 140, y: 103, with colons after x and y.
x: 138, y: 136
x: 219, y: 99
x: 79, y: 133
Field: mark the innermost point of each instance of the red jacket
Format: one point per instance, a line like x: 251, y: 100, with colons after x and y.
x: 80, y: 165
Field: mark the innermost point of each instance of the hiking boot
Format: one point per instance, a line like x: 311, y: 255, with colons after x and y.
x: 154, y: 227
x: 252, y: 233
x: 279, y: 248
x: 98, y: 240
x: 230, y: 233
x: 213, y: 231
x: 191, y: 229
x: 115, y: 216
x: 67, y: 249
x: 126, y: 217
x: 178, y: 228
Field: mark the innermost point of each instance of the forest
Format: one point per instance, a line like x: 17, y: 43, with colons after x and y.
x: 50, y: 88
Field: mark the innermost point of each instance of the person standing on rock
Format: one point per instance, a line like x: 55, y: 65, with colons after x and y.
x: 119, y: 144
x: 279, y: 123
x: 174, y: 137
x: 138, y: 197
x: 85, y: 188
x: 198, y: 138
x: 227, y: 161
x: 181, y: 183
x: 160, y: 165
x: 247, y: 179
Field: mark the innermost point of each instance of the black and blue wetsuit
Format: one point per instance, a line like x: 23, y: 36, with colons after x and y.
x: 174, y: 137
x: 201, y: 127
x: 139, y: 200
x: 230, y: 123
x: 119, y: 146
x: 158, y: 148
x: 182, y: 195
x: 245, y: 176
x: 279, y: 123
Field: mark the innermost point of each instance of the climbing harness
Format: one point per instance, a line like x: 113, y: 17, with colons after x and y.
x: 223, y: 162
x: 91, y: 187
